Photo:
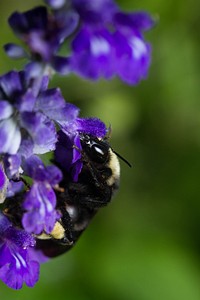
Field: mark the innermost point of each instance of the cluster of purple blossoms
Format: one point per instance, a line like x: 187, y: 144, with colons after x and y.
x: 35, y: 120
x: 103, y: 40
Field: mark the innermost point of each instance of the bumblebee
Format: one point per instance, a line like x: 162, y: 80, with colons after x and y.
x: 79, y: 201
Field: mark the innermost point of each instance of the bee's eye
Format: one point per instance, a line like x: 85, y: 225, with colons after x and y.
x: 87, y: 141
x: 98, y: 150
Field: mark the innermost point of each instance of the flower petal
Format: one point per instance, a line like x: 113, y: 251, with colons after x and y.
x: 54, y: 175
x: 134, y: 57
x: 56, y: 4
x: 12, y: 165
x: 91, y: 126
x: 14, y: 188
x: 14, y: 51
x: 40, y: 205
x: 50, y: 99
x: 140, y: 21
x: 11, y: 83
x: 6, y: 109
x: 67, y: 156
x: 16, y: 264
x: 21, y: 23
x: 61, y: 64
x: 41, y: 129
x: 10, y: 137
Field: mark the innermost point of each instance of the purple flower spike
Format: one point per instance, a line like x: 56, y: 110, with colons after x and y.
x: 107, y: 42
x: 110, y: 42
x: 16, y: 262
x: 94, y: 39
x: 40, y: 201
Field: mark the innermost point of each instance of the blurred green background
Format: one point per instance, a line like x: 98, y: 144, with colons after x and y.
x: 146, y: 244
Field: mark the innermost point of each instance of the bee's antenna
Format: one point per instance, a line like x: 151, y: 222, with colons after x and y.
x: 108, y: 134
x: 122, y: 158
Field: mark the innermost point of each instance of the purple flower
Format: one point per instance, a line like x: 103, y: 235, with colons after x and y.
x: 110, y: 42
x: 28, y: 113
x: 12, y: 165
x: 16, y: 262
x: 44, y: 33
x: 14, y: 188
x: 19, y: 118
x: 68, y: 154
x: 93, y: 55
x: 68, y: 148
x: 40, y: 201
x: 52, y: 104
x: 106, y: 41
x: 132, y: 52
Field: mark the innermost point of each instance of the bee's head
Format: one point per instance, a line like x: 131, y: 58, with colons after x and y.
x: 96, y: 149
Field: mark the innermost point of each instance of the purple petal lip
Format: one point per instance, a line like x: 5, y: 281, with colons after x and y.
x: 40, y: 212
x: 6, y: 109
x: 11, y: 83
x: 56, y: 4
x: 14, y: 51
x: 14, y: 188
x: 22, y: 23
x: 16, y: 263
x: 10, y: 136
x: 50, y: 99
x: 12, y: 165
x: 140, y: 21
x: 40, y: 202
